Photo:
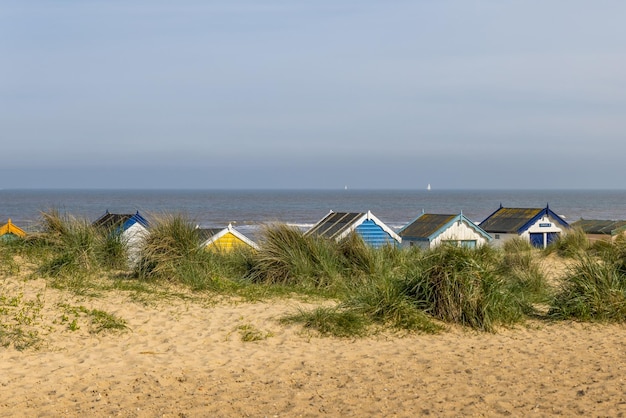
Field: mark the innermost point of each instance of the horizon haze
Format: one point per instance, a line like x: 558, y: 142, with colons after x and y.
x: 289, y: 95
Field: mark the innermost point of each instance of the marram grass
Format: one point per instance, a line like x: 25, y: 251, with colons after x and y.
x: 287, y: 257
x: 370, y: 288
x: 463, y: 286
x: 172, y: 252
x: 331, y: 321
x: 594, y: 289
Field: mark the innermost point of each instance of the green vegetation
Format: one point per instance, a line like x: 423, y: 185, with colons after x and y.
x: 171, y: 253
x: 357, y: 289
x: 593, y: 290
x: 71, y: 252
x: 287, y: 257
x: 331, y: 321
x: 571, y: 244
x: 18, y: 317
x: 249, y: 333
x: 96, y: 320
x: 523, y: 275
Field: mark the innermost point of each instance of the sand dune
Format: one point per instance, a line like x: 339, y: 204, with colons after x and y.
x: 188, y: 358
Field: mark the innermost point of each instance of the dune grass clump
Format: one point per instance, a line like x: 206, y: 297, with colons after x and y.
x: 112, y: 250
x: 171, y: 252
x: 517, y: 253
x: 593, y: 290
x: 72, y: 242
x: 287, y: 257
x: 463, y: 286
x: 71, y: 250
x: 523, y: 276
x: 570, y: 244
x: 383, y: 300
x: 331, y: 321
x: 361, y: 261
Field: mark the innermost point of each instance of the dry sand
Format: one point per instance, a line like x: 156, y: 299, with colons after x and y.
x: 187, y: 358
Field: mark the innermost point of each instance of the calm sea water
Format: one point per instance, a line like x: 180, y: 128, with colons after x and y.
x: 247, y: 209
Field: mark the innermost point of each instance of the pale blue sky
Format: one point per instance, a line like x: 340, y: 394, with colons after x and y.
x: 319, y: 94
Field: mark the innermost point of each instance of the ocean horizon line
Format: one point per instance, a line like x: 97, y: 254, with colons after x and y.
x: 312, y: 189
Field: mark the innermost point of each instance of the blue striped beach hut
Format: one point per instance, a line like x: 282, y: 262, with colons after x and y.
x: 339, y: 225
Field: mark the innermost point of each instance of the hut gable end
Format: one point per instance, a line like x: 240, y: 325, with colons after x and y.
x: 338, y: 225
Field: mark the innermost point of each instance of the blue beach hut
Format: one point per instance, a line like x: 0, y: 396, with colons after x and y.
x: 339, y: 225
x: 133, y: 229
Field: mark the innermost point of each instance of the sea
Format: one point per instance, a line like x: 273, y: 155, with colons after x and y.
x: 248, y: 210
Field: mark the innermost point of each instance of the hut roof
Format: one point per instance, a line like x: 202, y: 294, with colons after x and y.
x: 11, y: 228
x: 426, y: 225
x: 429, y: 225
x: 516, y: 220
x: 596, y: 226
x: 208, y: 236
x: 333, y: 224
x: 338, y: 225
x: 119, y: 220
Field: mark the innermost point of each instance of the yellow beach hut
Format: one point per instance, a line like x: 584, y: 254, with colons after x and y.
x: 224, y: 239
x: 10, y: 230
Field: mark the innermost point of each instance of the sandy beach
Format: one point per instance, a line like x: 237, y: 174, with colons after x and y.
x: 183, y: 357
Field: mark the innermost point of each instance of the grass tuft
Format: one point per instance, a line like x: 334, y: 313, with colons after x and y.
x: 593, y: 290
x: 331, y: 321
x: 172, y: 252
x: 571, y: 244
x: 287, y: 257
x: 462, y: 286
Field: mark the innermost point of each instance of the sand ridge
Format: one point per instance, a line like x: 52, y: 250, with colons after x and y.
x: 187, y: 358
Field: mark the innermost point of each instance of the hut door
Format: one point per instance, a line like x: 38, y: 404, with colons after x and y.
x: 536, y: 240
x: 552, y: 236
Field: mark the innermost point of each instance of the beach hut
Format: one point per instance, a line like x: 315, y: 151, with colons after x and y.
x: 133, y: 229
x: 224, y: 239
x: 9, y: 231
x: 601, y: 230
x: 429, y: 230
x: 338, y: 225
x: 540, y: 226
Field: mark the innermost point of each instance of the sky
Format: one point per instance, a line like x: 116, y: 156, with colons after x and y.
x: 262, y: 94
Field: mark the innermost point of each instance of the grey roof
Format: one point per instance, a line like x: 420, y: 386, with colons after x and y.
x: 334, y: 224
x: 509, y: 220
x: 426, y: 225
x: 112, y: 220
x: 596, y: 226
x: 119, y: 220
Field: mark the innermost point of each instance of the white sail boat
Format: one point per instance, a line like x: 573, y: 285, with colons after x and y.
x: 428, y: 187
